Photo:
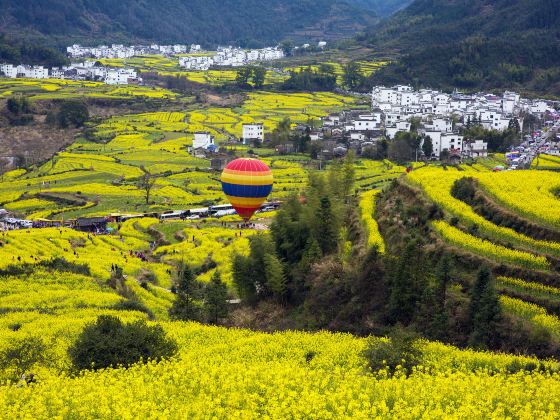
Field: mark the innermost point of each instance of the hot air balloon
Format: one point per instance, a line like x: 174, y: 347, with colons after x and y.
x: 246, y: 183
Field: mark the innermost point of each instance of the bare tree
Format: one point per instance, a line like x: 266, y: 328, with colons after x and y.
x: 3, y: 168
x: 147, y: 182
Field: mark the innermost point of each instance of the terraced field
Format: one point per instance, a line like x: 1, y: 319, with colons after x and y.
x: 506, y: 235
x: 224, y: 372
x: 39, y: 89
x: 103, y: 173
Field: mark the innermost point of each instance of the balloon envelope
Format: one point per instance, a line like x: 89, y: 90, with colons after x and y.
x: 246, y: 183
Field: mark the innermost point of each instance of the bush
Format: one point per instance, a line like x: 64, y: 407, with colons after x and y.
x: 463, y: 189
x: 72, y: 114
x: 110, y: 343
x: 20, y: 356
x: 399, y: 351
x: 133, y: 305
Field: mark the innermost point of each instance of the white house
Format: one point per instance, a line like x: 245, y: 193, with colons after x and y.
x: 8, y: 70
x: 399, y: 126
x: 445, y: 141
x: 202, y: 140
x: 475, y: 148
x: 252, y: 132
x: 445, y: 125
x: 364, y: 125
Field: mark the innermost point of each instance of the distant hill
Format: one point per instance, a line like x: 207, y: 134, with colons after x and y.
x: 473, y: 44
x: 248, y: 22
x: 15, y: 51
x: 382, y: 8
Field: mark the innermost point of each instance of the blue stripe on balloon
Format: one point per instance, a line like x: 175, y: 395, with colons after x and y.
x: 249, y: 191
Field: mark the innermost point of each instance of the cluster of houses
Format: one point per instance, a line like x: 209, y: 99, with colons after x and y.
x: 320, y: 45
x: 204, y: 143
x: 231, y: 57
x: 87, y: 70
x: 441, y: 115
x: 436, y: 115
x: 122, y: 51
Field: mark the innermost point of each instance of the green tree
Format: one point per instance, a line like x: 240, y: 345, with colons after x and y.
x: 403, y: 147
x: 216, y: 304
x: 281, y: 134
x: 20, y: 355
x: 352, y: 76
x: 110, y: 343
x: 243, y: 76
x: 514, y: 125
x: 18, y: 105
x: 287, y: 47
x: 275, y: 277
x: 326, y: 232
x: 484, y: 309
x: 259, y: 76
x: 406, y: 285
x: 437, y: 321
x: 185, y: 307
x: 427, y: 147
x: 348, y: 175
x: 72, y: 114
x: 242, y: 279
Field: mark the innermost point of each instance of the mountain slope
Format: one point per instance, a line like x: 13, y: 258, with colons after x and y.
x: 251, y: 22
x: 382, y: 8
x: 473, y: 44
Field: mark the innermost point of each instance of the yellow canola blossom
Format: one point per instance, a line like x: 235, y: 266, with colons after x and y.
x: 224, y: 373
x: 437, y: 184
x: 488, y: 249
x: 367, y: 206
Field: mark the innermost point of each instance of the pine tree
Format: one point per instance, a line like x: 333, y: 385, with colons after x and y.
x: 437, y: 325
x: 311, y: 255
x: 428, y: 147
x: 484, y: 309
x: 405, y: 286
x: 184, y: 306
x: 327, y: 227
x: 216, y: 303
x: 275, y: 277
x: 348, y: 175
x: 444, y: 277
x: 242, y: 279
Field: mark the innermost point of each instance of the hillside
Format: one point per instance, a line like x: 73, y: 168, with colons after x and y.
x: 249, y: 22
x: 383, y: 8
x: 454, y: 256
x: 473, y: 45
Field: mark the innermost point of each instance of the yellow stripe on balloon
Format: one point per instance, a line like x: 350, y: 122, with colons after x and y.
x: 246, y: 179
x: 252, y: 173
x: 245, y: 201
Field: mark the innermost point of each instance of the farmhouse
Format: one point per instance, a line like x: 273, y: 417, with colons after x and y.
x: 252, y: 133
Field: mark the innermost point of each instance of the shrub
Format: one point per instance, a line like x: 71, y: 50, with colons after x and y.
x: 110, y: 343
x: 399, y: 352
x: 20, y: 356
x: 463, y: 189
x: 133, y: 305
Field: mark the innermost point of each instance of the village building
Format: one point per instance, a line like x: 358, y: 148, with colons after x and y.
x: 252, y: 133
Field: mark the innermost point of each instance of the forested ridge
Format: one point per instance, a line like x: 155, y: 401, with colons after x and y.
x: 481, y: 44
x: 247, y: 22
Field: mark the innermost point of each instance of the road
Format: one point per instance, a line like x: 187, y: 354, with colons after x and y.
x: 532, y: 151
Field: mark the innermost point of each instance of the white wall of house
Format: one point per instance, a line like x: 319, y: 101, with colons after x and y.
x: 202, y: 140
x: 252, y: 132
